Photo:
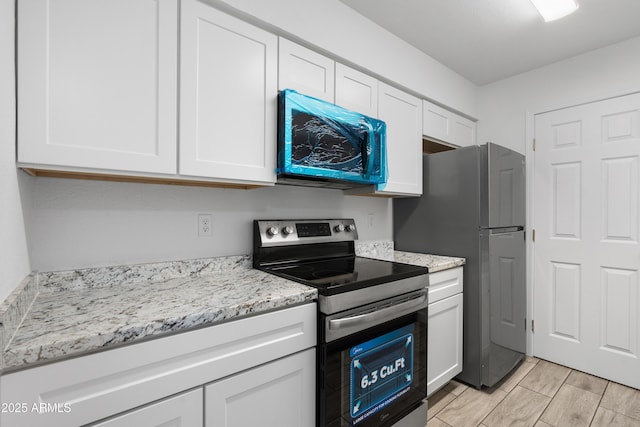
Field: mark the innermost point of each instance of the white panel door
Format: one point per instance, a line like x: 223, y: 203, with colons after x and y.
x: 586, y: 298
x: 228, y: 97
x: 356, y: 91
x: 97, y: 84
x: 305, y: 71
x: 280, y: 393
x: 183, y: 410
x: 403, y: 115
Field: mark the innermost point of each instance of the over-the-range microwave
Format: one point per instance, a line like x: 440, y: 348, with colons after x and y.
x: 324, y: 145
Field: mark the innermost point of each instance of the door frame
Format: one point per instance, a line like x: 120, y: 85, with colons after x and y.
x: 530, y: 114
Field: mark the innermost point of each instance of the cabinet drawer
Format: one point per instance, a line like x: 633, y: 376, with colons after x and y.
x: 443, y: 284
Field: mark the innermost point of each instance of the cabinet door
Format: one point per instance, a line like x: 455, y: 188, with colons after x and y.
x: 436, y: 122
x: 97, y: 84
x: 228, y: 97
x: 463, y: 131
x: 183, y: 410
x: 444, y: 348
x: 403, y: 115
x: 280, y: 393
x: 305, y: 71
x: 356, y: 91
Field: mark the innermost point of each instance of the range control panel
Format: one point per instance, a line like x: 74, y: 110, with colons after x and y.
x: 300, y: 232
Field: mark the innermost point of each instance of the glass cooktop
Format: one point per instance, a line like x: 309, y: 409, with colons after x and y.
x: 345, y: 274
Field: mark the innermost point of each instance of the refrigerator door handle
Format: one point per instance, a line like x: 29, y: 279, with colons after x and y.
x: 484, y: 231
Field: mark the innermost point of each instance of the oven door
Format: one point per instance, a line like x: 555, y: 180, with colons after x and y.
x: 372, y: 363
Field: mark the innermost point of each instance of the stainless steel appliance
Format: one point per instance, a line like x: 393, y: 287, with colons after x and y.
x: 372, y: 329
x: 473, y: 206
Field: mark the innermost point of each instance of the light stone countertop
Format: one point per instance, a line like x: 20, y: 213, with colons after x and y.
x: 77, y: 312
x: 434, y: 263
x: 61, y: 314
x: 384, y: 250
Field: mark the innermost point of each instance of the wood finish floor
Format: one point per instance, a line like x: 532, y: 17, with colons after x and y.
x: 539, y: 394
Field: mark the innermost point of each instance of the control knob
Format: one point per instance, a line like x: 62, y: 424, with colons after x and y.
x: 351, y: 227
x: 272, y: 231
x: 287, y: 229
x: 339, y: 228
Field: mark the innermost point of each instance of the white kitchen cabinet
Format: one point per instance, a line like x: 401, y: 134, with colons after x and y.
x: 104, y: 384
x: 446, y: 126
x: 356, y: 91
x: 305, y: 71
x: 228, y: 97
x: 97, y: 84
x: 183, y: 410
x: 403, y: 115
x: 280, y: 393
x: 464, y: 131
x: 444, y: 340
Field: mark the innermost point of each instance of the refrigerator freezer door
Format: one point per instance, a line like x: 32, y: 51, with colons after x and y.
x: 506, y: 287
x: 506, y: 198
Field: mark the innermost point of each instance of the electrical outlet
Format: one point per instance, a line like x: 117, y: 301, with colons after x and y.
x: 205, y: 228
x: 371, y: 220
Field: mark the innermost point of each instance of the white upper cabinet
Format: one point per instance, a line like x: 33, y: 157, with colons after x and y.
x: 305, y: 71
x: 436, y: 122
x: 356, y: 91
x: 464, y: 131
x: 228, y: 97
x: 97, y: 84
x: 403, y: 115
x: 446, y: 126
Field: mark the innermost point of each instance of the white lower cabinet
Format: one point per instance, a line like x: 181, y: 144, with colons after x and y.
x: 143, y: 384
x: 444, y: 338
x: 444, y: 353
x: 183, y: 410
x: 280, y: 393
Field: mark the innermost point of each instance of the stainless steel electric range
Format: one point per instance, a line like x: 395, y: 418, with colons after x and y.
x: 372, y: 328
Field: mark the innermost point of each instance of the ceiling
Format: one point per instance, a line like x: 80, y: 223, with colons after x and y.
x: 488, y: 40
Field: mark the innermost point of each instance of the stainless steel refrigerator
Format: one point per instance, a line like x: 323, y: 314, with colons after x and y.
x: 473, y: 206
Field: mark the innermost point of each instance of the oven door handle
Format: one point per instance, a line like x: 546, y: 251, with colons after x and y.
x: 380, y: 316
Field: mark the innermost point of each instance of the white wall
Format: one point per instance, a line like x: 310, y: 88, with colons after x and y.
x: 332, y: 26
x: 14, y: 258
x: 76, y: 224
x: 603, y: 73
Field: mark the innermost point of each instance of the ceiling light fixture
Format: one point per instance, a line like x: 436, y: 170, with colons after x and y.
x: 555, y: 9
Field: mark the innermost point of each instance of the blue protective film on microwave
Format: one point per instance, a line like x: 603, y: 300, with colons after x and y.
x: 319, y: 139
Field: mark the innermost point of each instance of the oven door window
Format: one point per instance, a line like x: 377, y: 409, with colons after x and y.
x: 375, y: 377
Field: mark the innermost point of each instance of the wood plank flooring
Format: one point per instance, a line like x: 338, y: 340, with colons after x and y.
x: 537, y: 394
